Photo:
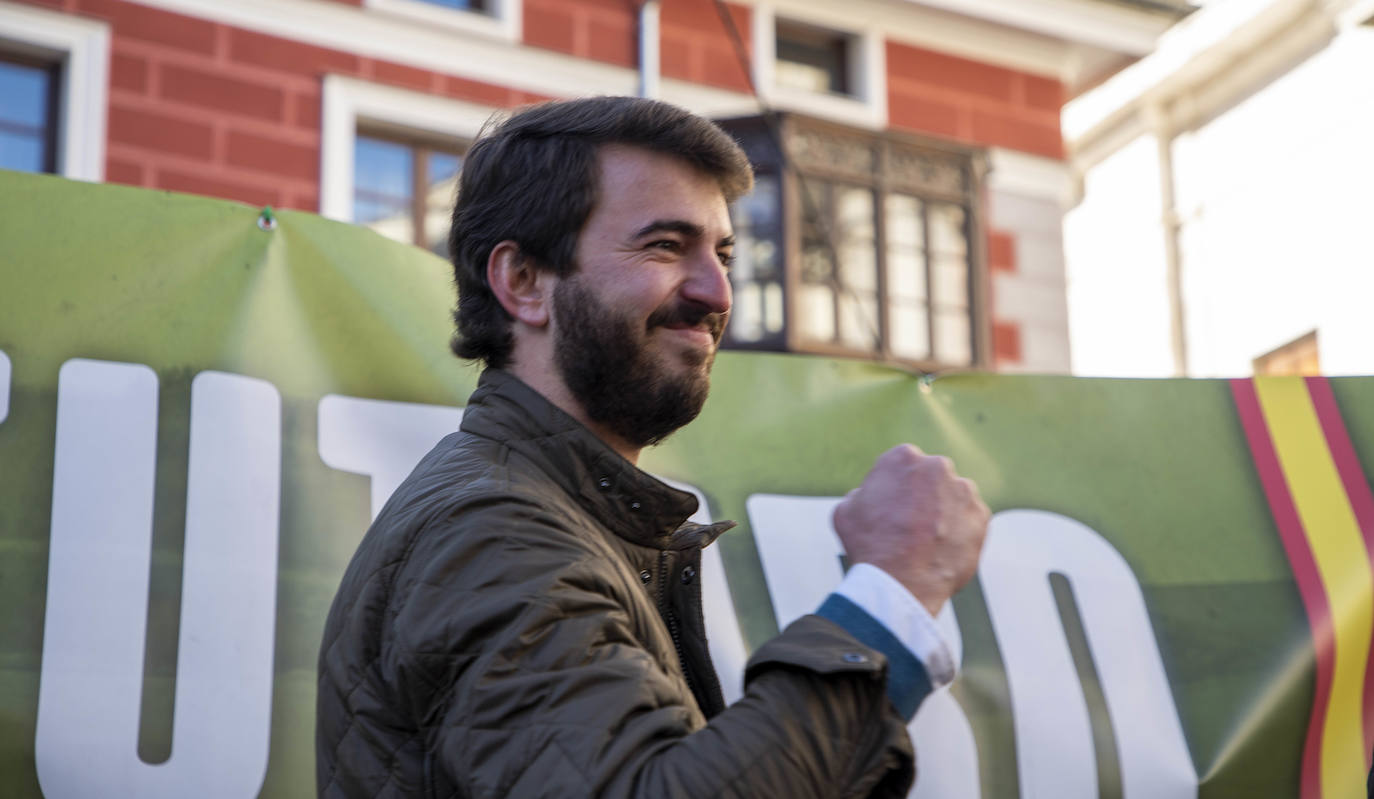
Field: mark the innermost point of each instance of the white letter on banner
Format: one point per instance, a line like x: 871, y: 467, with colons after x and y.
x: 4, y: 385
x: 1054, y: 747
x: 801, y: 552
x: 97, y: 603
x: 381, y: 439
x: 723, y: 636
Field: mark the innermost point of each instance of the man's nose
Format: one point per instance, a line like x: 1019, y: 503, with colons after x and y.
x: 708, y: 284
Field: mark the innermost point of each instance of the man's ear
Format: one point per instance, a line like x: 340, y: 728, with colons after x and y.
x: 522, y: 289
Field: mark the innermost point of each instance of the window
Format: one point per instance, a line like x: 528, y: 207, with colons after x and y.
x: 496, y: 18
x: 822, y: 61
x: 388, y: 157
x: 28, y: 115
x: 812, y: 58
x: 756, y: 276
x: 1299, y: 357
x: 54, y: 70
x: 461, y: 5
x: 403, y: 187
x: 858, y: 244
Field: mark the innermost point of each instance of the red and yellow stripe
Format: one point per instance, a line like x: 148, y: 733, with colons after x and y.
x: 1324, y: 511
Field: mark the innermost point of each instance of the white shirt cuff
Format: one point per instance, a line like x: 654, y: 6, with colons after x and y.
x: 891, y: 605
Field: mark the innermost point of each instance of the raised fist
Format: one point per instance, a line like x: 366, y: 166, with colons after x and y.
x: 916, y: 519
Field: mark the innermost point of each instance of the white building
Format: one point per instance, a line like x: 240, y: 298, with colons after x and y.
x: 1224, y: 189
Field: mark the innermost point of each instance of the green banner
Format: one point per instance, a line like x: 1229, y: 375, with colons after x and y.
x: 200, y: 414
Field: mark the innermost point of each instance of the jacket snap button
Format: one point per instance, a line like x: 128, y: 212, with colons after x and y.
x: 645, y: 576
x: 604, y: 483
x: 634, y: 506
x: 687, y: 575
x: 855, y: 657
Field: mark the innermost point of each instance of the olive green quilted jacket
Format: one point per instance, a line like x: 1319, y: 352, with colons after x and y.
x: 524, y: 620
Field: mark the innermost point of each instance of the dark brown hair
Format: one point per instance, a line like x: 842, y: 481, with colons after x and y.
x: 532, y: 179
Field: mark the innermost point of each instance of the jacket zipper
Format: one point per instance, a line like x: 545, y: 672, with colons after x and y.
x: 671, y: 618
x: 713, y: 688
x: 429, y: 767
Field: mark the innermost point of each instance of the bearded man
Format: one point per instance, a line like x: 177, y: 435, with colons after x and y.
x: 524, y: 617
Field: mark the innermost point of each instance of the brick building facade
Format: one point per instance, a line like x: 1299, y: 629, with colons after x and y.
x: 275, y: 103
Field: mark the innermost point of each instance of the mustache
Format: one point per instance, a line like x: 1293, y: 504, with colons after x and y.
x: 689, y: 314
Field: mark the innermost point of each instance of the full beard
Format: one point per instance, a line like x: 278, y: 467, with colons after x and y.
x: 606, y: 364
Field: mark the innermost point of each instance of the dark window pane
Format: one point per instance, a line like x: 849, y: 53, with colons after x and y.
x: 462, y: 5
x: 26, y: 117
x: 811, y: 58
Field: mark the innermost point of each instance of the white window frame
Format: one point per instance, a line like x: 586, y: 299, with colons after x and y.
x: 867, y: 67
x: 503, y: 21
x: 348, y: 102
x: 82, y: 47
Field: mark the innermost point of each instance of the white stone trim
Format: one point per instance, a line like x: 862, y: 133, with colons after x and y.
x: 348, y: 101
x: 368, y: 32
x: 1215, y: 40
x: 83, y: 47
x: 1118, y: 28
x: 1027, y: 175
x: 503, y: 22
x: 868, y: 66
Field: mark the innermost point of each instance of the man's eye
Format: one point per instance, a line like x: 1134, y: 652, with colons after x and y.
x: 727, y: 259
x: 667, y: 245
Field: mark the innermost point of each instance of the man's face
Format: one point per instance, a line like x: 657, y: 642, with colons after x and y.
x: 636, y: 326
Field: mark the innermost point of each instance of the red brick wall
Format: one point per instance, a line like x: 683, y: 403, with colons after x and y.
x: 973, y: 102
x: 600, y: 30
x: 205, y: 108
x: 1006, y: 335
x: 694, y: 44
x: 1006, y: 343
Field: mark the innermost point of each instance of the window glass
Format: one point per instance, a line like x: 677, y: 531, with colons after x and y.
x: 404, y: 189
x: 908, y: 321
x: 906, y: 264
x: 839, y: 263
x: 442, y: 188
x: 811, y: 58
x: 947, y: 228
x: 858, y: 267
x: 26, y: 117
x: 872, y: 256
x: 461, y: 5
x: 382, y: 178
x: 953, y: 337
x: 756, y: 277
x: 950, y: 279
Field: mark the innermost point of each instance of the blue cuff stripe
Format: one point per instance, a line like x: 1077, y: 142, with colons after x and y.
x: 907, y: 682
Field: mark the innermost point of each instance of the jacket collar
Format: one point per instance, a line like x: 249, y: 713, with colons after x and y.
x: 631, y: 503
